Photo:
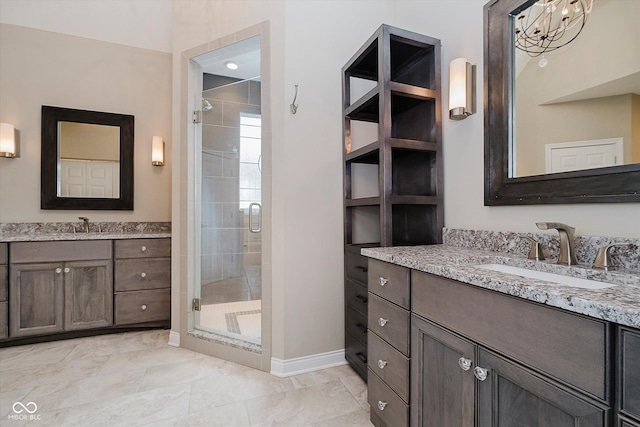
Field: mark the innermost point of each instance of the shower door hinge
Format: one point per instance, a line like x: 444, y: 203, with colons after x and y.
x: 197, y: 116
x: 195, y: 305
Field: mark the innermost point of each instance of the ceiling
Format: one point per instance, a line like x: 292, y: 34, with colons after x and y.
x: 245, y: 53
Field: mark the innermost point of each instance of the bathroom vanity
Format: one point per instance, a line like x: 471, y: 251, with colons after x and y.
x: 62, y: 283
x: 450, y: 343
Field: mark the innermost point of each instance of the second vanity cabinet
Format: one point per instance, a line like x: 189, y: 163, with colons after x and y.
x: 628, y: 374
x: 4, y: 292
x: 60, y: 286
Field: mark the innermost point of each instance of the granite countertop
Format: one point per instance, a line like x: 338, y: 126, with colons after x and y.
x: 619, y: 304
x: 42, y: 237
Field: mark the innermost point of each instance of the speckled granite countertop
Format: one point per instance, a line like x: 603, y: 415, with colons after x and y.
x: 43, y: 237
x: 619, y: 304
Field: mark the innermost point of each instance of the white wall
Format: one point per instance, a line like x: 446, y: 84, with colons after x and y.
x: 44, y: 68
x: 459, y: 24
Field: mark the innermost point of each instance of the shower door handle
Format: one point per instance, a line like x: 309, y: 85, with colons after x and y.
x: 252, y: 227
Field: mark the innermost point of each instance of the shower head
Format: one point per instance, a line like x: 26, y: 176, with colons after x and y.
x: 206, y: 105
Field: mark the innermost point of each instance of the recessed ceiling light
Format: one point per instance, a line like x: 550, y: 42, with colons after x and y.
x: 231, y: 65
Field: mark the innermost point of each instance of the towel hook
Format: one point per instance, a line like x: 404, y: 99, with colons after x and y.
x: 293, y: 107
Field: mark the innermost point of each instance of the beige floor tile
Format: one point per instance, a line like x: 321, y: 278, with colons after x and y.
x: 106, y: 345
x: 321, y: 377
x: 134, y: 360
x: 8, y: 398
x: 358, y: 389
x: 353, y: 419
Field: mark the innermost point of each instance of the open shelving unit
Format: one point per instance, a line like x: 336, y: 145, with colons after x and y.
x: 393, y: 177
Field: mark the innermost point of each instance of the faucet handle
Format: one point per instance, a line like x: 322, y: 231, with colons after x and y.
x: 603, y: 257
x: 535, y: 252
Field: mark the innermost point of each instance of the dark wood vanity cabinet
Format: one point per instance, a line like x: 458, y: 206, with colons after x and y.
x: 4, y: 292
x: 628, y: 372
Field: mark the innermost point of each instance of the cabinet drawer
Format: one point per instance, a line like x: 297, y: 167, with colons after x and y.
x: 629, y: 371
x: 389, y: 322
x: 389, y: 281
x: 570, y: 347
x: 4, y: 320
x: 143, y: 248
x: 3, y: 253
x: 357, y: 324
x: 356, y: 354
x: 87, y: 250
x: 356, y: 266
x: 4, y: 282
x: 142, y: 306
x: 386, y: 404
x: 356, y: 296
x: 139, y: 274
x: 389, y: 364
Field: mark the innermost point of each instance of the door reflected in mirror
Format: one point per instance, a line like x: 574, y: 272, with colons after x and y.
x: 578, y: 107
x: 89, y: 164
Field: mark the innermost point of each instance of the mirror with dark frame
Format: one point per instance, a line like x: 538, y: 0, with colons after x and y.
x: 87, y: 160
x: 509, y: 180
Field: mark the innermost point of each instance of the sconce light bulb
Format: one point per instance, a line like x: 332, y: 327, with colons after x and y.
x: 7, y: 140
x: 157, y: 151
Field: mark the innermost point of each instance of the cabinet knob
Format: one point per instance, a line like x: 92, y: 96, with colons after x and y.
x: 143, y: 307
x: 143, y: 274
x: 382, y: 405
x: 382, y: 321
x: 66, y: 270
x: 382, y: 281
x: 58, y: 270
x: 382, y: 363
x: 480, y: 373
x: 143, y: 248
x: 464, y: 363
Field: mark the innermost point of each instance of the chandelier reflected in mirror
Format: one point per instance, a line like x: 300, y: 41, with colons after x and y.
x: 550, y: 24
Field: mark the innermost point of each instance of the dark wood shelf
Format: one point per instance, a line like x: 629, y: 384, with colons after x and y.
x: 402, y: 89
x: 364, y: 201
x: 412, y: 144
x: 367, y: 154
x: 365, y: 108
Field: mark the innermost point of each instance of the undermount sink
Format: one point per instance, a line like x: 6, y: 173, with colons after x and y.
x: 574, y: 282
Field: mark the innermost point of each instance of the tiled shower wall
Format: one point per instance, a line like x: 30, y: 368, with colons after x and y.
x: 227, y: 246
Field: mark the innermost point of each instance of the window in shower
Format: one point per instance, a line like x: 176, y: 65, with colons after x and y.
x: 250, y: 158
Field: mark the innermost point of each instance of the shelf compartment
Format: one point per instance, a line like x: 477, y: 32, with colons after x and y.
x: 413, y: 173
x: 361, y: 181
x: 367, y: 154
x: 364, y: 64
x: 362, y: 225
x: 412, y: 91
x: 412, y: 62
x: 413, y: 118
x: 365, y: 108
x: 358, y: 88
x: 415, y: 225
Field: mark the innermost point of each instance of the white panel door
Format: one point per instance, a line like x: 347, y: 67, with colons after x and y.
x: 100, y: 179
x: 82, y: 178
x: 571, y: 156
x: 72, y: 178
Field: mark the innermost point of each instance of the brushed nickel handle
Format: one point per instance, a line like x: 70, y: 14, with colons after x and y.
x: 382, y: 405
x: 382, y: 281
x: 255, y: 228
x: 382, y: 321
x: 465, y: 364
x: 480, y: 373
x: 143, y: 307
x: 143, y: 274
x: 143, y: 248
x: 382, y: 363
x: 58, y: 270
x: 66, y: 270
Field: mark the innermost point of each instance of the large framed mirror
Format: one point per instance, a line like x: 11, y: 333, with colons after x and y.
x: 546, y: 114
x: 87, y: 160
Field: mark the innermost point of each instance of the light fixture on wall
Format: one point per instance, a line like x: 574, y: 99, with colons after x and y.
x: 550, y: 24
x: 8, y: 144
x: 462, y: 89
x: 231, y: 65
x: 157, y: 151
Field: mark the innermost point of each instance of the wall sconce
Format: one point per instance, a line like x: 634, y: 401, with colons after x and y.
x: 157, y: 151
x: 462, y: 89
x: 8, y: 146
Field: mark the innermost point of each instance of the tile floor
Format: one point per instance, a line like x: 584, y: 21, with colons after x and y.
x: 136, y: 379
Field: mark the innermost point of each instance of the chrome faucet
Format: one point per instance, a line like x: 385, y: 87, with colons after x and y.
x: 567, y: 254
x: 85, y: 225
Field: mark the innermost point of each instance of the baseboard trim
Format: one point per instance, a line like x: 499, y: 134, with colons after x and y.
x: 174, y: 339
x: 300, y: 365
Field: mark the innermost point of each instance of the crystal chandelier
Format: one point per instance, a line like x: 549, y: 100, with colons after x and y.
x: 550, y: 24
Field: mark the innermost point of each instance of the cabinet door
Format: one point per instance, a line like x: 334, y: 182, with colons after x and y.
x: 514, y: 396
x: 442, y: 392
x: 36, y: 299
x: 629, y: 371
x: 88, y: 294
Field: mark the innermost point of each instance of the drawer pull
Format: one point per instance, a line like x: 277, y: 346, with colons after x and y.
x: 361, y: 268
x: 143, y: 274
x: 66, y: 270
x: 58, y: 270
x: 382, y: 281
x: 362, y: 357
x: 382, y: 321
x: 362, y: 298
x: 465, y: 364
x: 480, y: 373
x: 143, y: 307
x: 143, y: 248
x: 382, y: 363
x: 362, y: 328
x: 382, y: 405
